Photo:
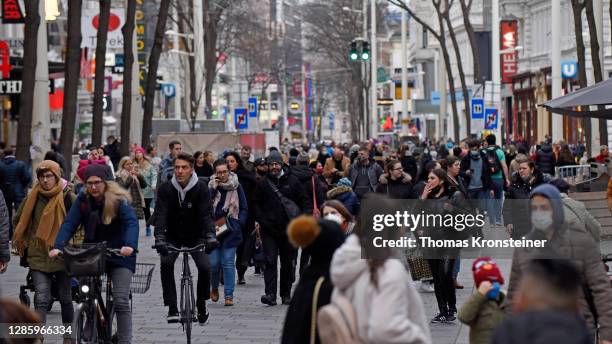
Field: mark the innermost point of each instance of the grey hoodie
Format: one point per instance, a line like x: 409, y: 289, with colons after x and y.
x: 391, y: 313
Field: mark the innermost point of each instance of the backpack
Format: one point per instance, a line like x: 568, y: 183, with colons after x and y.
x: 337, y: 321
x: 492, y: 161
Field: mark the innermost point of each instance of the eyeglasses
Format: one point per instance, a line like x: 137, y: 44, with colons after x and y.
x: 46, y: 176
x: 397, y: 169
x: 222, y: 172
x: 95, y: 184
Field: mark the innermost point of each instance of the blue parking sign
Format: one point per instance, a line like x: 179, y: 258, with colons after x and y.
x: 477, y: 108
x: 253, y: 107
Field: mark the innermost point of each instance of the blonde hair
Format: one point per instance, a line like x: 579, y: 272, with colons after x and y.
x: 113, y: 195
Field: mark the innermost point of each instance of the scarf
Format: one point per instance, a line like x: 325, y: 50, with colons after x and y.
x: 232, y: 202
x: 51, y: 218
x: 183, y: 191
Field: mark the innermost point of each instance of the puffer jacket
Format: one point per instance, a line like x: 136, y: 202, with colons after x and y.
x: 391, y: 312
x: 347, y: 197
x: 15, y: 173
x: 545, y: 160
x: 394, y: 189
x: 5, y: 255
x: 373, y: 170
x: 570, y: 240
x: 482, y: 315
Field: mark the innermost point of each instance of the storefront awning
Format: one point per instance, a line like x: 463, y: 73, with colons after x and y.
x: 598, y: 94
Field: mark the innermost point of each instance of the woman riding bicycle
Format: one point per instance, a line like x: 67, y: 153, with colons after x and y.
x: 104, y: 211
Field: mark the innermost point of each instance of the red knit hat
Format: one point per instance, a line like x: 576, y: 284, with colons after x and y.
x: 485, y: 269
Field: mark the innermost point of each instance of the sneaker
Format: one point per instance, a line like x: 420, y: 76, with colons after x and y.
x: 203, y: 316
x: 427, y: 287
x: 269, y: 300
x: 241, y: 280
x: 229, y: 301
x: 450, y: 316
x: 214, y: 295
x: 452, y: 311
x: 148, y: 231
x: 286, y: 300
x: 173, y: 315
x: 441, y: 318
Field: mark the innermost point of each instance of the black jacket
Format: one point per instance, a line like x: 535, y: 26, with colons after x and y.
x: 515, y: 212
x: 542, y: 327
x: 410, y: 166
x: 188, y: 223
x: 395, y: 189
x: 304, y: 175
x: 545, y: 160
x: 269, y: 210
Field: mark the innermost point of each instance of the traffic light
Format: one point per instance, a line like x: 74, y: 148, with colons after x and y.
x: 365, y: 51
x: 354, y: 53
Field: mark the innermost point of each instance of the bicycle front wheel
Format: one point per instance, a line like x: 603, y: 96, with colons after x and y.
x: 85, y: 324
x: 187, y: 316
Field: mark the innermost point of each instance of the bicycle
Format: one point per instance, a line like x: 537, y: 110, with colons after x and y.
x: 187, y: 313
x: 95, y: 317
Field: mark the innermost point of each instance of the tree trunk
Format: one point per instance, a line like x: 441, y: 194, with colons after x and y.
x: 597, y: 68
x: 71, y: 85
x: 210, y: 54
x: 577, y: 7
x: 451, y: 80
x: 464, y: 90
x: 160, y: 28
x: 26, y: 101
x: 97, y: 123
x: 469, y: 29
x: 128, y: 53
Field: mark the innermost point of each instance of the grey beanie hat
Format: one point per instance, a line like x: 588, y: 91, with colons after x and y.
x: 275, y: 156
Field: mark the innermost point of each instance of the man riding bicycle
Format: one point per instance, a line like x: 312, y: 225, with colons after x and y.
x: 184, y: 218
x: 105, y: 213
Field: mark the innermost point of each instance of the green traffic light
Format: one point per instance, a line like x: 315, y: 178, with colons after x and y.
x: 365, y: 51
x: 354, y: 56
x: 365, y: 55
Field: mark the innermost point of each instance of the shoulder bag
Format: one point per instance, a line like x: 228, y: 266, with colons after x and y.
x: 291, y: 209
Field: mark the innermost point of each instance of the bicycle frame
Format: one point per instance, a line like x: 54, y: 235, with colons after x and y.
x: 186, y: 280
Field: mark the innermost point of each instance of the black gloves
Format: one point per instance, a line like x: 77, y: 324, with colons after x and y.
x: 161, y: 245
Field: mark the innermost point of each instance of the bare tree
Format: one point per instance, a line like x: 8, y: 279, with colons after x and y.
x: 26, y: 100
x: 597, y: 70
x: 577, y: 8
x: 466, y: 7
x: 156, y: 50
x: 97, y: 123
x: 441, y: 38
x: 71, y: 85
x: 128, y: 53
x: 444, y: 12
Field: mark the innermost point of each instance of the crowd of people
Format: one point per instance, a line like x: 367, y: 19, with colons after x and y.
x: 298, y: 205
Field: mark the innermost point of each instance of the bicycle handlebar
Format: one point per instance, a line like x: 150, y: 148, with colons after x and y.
x: 196, y: 248
x: 116, y: 252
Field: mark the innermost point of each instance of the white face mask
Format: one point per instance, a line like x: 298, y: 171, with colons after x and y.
x: 337, y: 218
x: 542, y: 219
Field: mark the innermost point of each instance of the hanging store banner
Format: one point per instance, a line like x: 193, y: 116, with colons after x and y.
x: 90, y: 20
x: 11, y: 12
x: 509, y: 55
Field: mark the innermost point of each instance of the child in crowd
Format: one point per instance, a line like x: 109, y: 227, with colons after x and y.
x: 482, y: 311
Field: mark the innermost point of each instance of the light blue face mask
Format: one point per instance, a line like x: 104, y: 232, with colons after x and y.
x: 542, y: 220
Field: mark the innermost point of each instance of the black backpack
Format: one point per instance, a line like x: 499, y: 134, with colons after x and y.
x: 492, y: 160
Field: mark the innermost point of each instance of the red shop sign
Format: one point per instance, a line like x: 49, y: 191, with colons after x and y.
x: 11, y: 13
x: 509, y: 41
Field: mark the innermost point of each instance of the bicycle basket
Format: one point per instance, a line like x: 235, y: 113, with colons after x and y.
x: 85, y: 260
x: 141, y: 279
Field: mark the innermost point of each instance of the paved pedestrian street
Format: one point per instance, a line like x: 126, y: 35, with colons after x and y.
x: 248, y: 321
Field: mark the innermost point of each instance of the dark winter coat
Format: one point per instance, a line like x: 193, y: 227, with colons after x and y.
x: 248, y: 183
x: 188, y: 223
x: 515, y: 211
x: 542, y: 327
x: 269, y: 210
x: 373, y: 170
x: 122, y: 231
x: 410, y: 166
x: 395, y: 189
x: 16, y: 174
x: 347, y: 197
x: 545, y: 160
x: 304, y: 174
x: 136, y: 193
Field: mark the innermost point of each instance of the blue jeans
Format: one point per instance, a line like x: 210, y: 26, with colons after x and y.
x: 456, y: 267
x: 495, y: 207
x: 224, y: 257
